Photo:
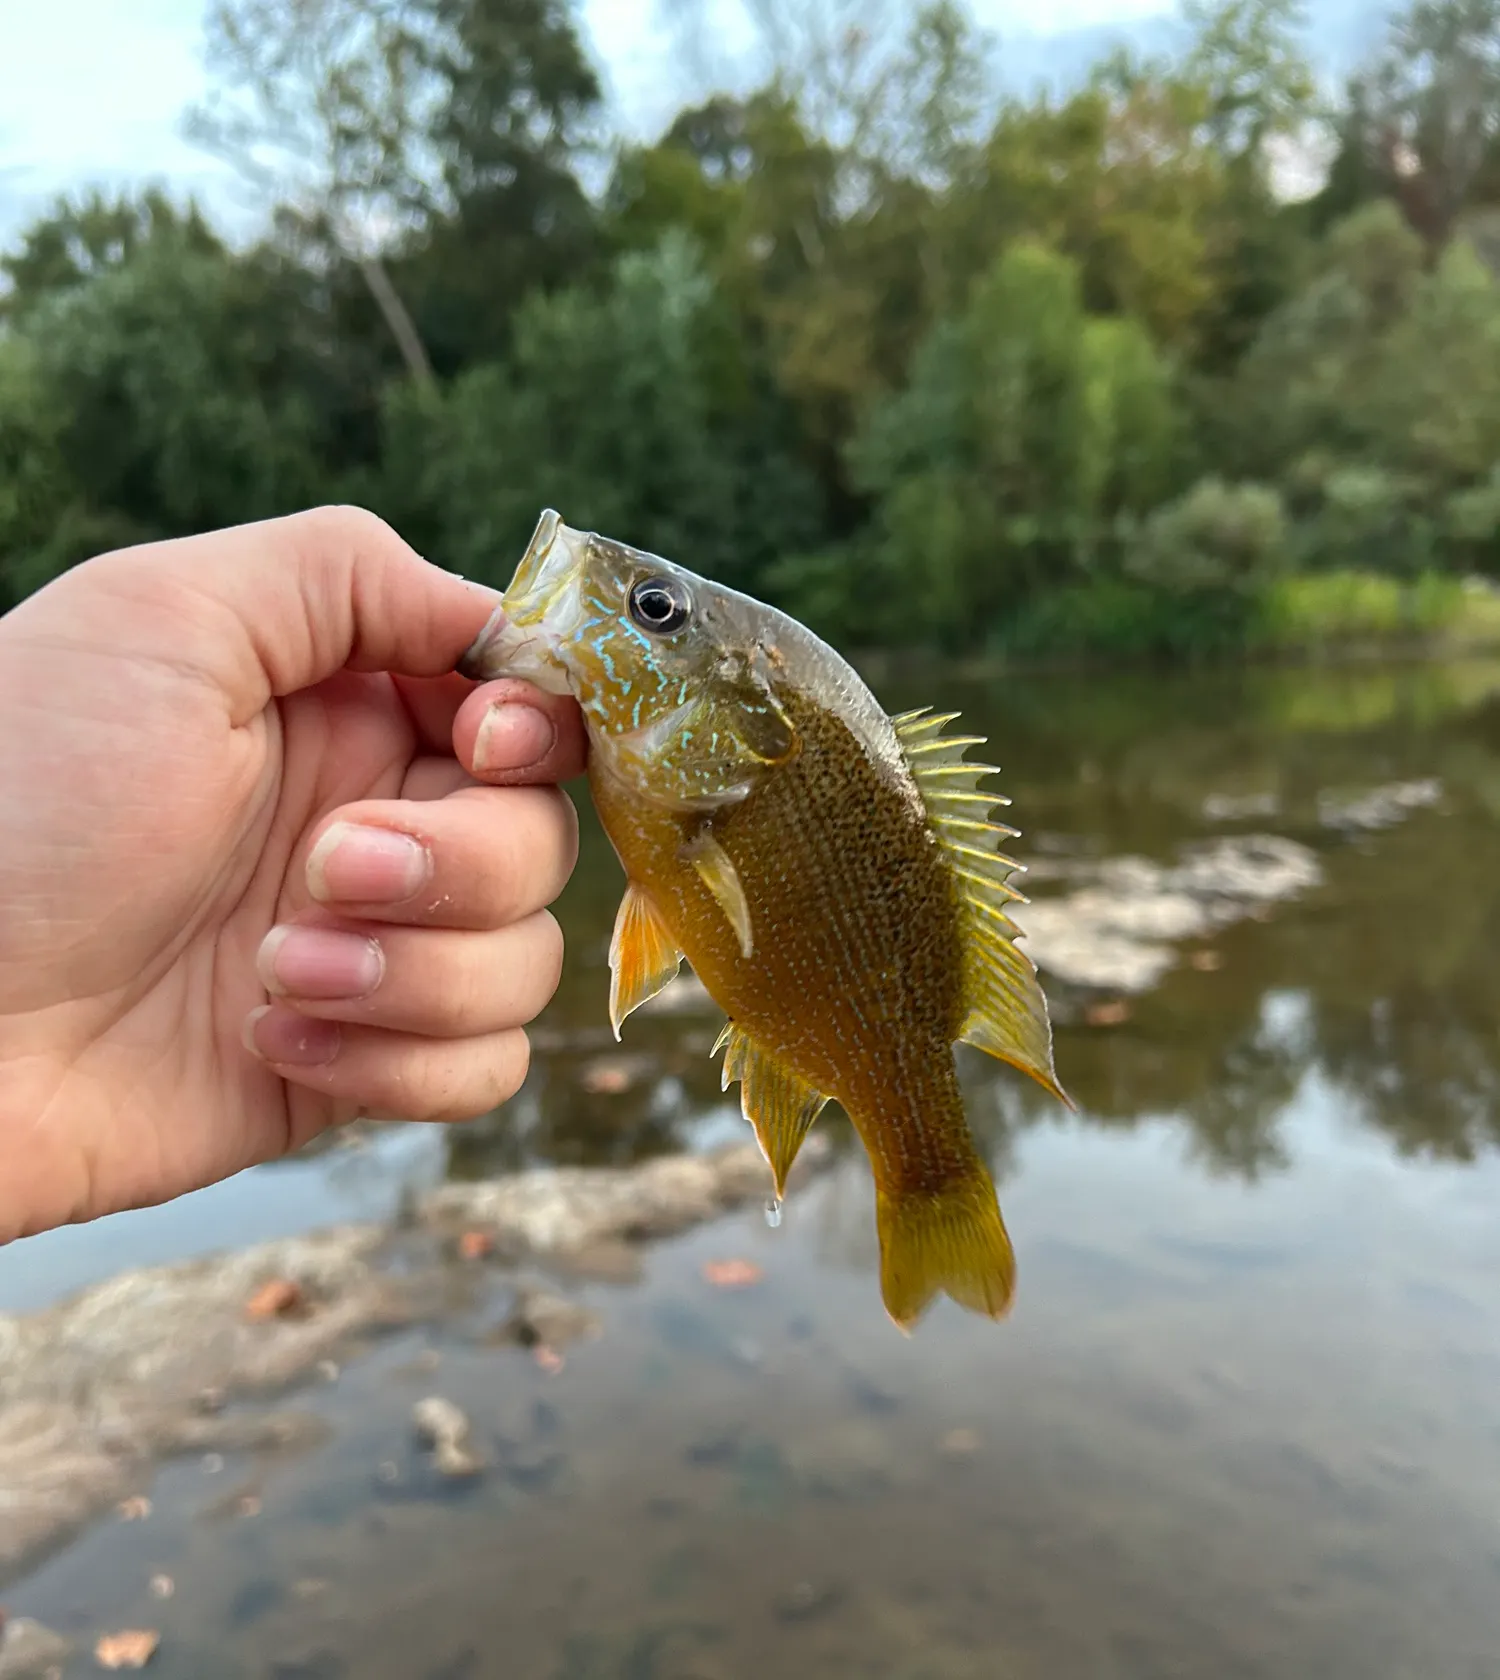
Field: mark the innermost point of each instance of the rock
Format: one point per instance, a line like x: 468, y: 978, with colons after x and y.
x: 807, y: 1599
x: 93, y: 1389
x: 28, y: 1650
x: 1381, y: 807
x: 443, y: 1427
x: 1118, y: 932
x: 541, y: 1319
x: 565, y: 1210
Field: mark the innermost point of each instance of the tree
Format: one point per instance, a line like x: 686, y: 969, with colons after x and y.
x: 618, y: 410
x: 1430, y: 112
x: 82, y: 238
x: 320, y: 104
x: 1028, y: 430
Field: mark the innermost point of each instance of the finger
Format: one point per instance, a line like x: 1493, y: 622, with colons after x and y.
x: 398, y: 1074
x: 481, y: 858
x: 509, y: 731
x: 533, y: 736
x: 265, y: 609
x: 440, y: 982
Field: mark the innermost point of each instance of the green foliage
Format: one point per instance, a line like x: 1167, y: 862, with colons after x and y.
x: 923, y: 364
x: 605, y: 408
x: 1218, y: 538
x: 1027, y: 431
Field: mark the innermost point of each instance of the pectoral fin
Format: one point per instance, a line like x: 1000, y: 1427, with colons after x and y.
x: 780, y: 1106
x: 715, y: 868
x: 643, y: 956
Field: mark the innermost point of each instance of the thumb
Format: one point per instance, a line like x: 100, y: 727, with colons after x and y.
x: 265, y: 609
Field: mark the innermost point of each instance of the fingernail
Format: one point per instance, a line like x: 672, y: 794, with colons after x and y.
x: 282, y: 1036
x: 512, y: 737
x: 314, y: 962
x: 352, y: 864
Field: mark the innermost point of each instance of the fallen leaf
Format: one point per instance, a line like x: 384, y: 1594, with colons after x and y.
x: 959, y: 1443
x: 131, y: 1648
x: 732, y: 1274
x: 135, y: 1509
x: 278, y: 1298
x: 1206, y: 962
x: 475, y: 1245
x: 163, y: 1586
x: 607, y: 1079
x: 548, y: 1358
x: 1115, y: 1013
x: 249, y: 1505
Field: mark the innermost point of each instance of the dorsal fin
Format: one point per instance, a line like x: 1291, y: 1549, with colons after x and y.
x: 1006, y: 1008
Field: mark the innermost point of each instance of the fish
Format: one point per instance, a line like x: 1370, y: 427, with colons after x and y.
x: 830, y: 873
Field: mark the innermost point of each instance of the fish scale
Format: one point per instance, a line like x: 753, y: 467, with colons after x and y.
x: 831, y: 874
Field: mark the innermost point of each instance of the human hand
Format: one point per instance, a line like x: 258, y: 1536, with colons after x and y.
x: 238, y: 766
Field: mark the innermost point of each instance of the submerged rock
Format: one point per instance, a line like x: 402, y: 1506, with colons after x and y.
x: 29, y: 1651
x: 444, y: 1428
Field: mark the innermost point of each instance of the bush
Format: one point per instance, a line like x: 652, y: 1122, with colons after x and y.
x: 1217, y: 538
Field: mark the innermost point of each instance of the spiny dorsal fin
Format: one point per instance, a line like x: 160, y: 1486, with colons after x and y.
x: 643, y: 956
x: 777, y: 1103
x: 1006, y: 1009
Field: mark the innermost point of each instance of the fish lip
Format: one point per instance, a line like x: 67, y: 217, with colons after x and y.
x: 553, y: 560
x: 520, y: 638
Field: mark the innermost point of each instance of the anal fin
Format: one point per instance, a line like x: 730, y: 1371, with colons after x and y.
x: 778, y: 1104
x: 643, y: 956
x: 950, y: 1241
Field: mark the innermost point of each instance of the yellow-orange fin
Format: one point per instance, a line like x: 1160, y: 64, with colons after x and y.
x: 778, y: 1104
x: 643, y: 956
x: 950, y: 1241
x: 1005, y: 1007
x: 715, y: 868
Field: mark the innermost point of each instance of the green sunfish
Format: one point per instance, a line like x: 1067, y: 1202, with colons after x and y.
x: 830, y: 873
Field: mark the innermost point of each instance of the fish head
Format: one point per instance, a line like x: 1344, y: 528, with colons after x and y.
x: 676, y: 675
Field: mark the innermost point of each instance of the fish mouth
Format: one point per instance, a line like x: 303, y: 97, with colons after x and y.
x: 526, y: 631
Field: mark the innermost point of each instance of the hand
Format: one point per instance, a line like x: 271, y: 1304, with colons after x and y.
x: 237, y: 767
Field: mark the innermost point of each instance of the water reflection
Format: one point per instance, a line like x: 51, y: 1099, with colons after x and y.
x: 1382, y: 982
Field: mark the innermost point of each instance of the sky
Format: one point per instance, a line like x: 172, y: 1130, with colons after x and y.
x: 92, y: 91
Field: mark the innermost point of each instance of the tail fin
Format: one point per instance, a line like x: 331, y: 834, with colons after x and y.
x: 950, y: 1240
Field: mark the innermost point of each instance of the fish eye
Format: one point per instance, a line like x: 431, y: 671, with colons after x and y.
x: 660, y: 605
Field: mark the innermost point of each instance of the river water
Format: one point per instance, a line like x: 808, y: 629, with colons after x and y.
x: 1243, y: 1422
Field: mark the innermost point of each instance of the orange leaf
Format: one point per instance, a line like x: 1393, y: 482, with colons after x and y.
x: 132, y: 1648
x: 1113, y: 1014
x: 475, y: 1245
x: 549, y: 1360
x: 276, y: 1299
x: 732, y: 1274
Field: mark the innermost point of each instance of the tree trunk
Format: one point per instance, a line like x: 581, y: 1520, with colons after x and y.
x: 403, y: 328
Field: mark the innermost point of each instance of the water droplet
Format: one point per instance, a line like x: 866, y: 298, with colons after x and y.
x: 773, y: 1212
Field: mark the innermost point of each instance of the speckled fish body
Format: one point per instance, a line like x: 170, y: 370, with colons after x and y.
x: 830, y: 873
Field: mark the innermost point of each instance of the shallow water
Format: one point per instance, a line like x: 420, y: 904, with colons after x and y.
x: 1243, y: 1421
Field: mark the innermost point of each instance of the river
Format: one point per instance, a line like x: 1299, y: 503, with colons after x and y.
x: 1244, y: 1420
